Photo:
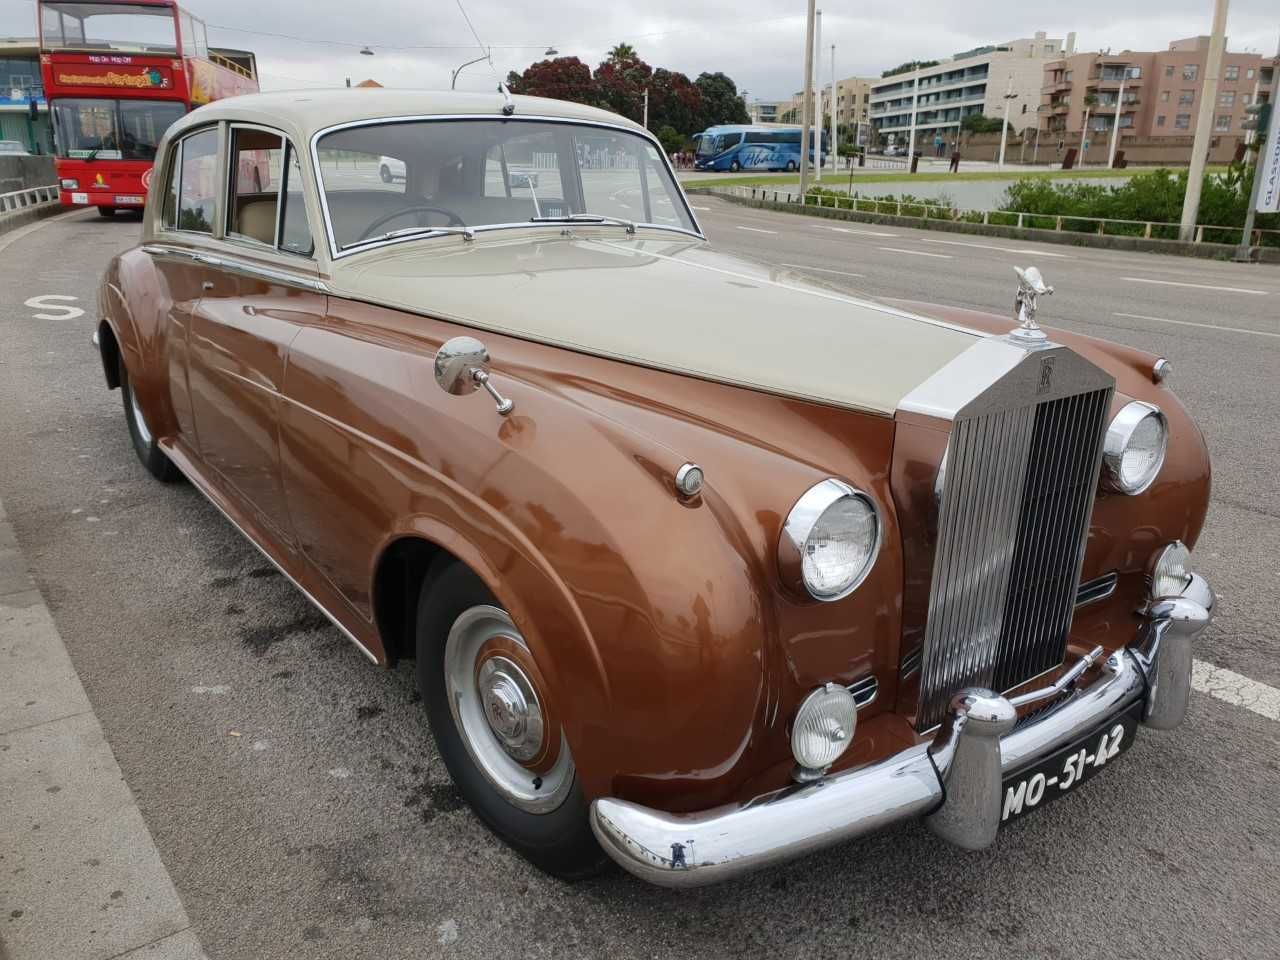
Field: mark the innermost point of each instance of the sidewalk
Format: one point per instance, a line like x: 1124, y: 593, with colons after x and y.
x: 80, y: 878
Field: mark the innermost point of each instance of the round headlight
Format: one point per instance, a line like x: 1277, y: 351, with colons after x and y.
x: 824, y: 727
x: 1170, y: 575
x: 829, y: 541
x: 1134, y: 449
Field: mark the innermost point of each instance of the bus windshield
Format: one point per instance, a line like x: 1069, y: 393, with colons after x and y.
x: 94, y: 129
x: 709, y: 145
x: 108, y: 26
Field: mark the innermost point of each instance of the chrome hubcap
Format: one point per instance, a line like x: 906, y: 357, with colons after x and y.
x: 498, y: 714
x: 512, y: 707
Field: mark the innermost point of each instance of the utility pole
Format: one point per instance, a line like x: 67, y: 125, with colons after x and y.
x: 1115, y: 123
x: 1204, y: 123
x: 646, y: 108
x: 817, y: 102
x: 835, y: 116
x: 806, y: 105
x: 1009, y: 97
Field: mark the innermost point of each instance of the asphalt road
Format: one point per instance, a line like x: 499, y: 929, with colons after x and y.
x: 294, y: 791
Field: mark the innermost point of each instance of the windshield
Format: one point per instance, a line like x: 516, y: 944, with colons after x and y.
x: 415, y: 175
x: 94, y: 129
x: 102, y: 26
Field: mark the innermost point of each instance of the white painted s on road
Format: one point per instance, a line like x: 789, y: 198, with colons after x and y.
x: 46, y: 301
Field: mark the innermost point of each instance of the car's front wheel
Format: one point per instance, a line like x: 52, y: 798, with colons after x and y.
x: 496, y: 727
x: 385, y: 173
x: 144, y: 442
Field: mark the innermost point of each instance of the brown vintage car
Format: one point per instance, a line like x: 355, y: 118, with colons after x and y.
x: 701, y: 567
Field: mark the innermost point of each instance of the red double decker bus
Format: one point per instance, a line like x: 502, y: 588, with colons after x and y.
x: 116, y: 74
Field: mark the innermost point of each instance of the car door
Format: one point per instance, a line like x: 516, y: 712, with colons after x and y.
x: 184, y: 230
x: 260, y: 287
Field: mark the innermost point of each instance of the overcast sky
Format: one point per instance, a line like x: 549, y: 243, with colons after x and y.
x: 755, y: 41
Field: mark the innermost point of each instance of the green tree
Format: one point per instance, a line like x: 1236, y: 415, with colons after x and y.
x: 622, y: 53
x: 672, y: 140
x: 720, y: 101
x: 980, y: 123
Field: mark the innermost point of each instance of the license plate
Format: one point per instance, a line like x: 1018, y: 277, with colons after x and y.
x: 125, y: 199
x: 1063, y: 771
x: 79, y: 198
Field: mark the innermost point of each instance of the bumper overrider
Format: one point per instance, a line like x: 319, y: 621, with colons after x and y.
x: 954, y: 782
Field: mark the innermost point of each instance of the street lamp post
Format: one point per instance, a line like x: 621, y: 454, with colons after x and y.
x: 911, y: 139
x: 817, y: 95
x: 835, y: 116
x: 806, y: 104
x: 453, y: 83
x: 1115, y: 123
x: 1009, y: 97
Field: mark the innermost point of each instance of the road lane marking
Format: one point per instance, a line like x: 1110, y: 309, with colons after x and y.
x: 865, y: 233
x: 754, y: 229
x: 1197, y: 286
x: 992, y: 246
x: 45, y: 301
x: 801, y: 266
x: 918, y: 253
x: 692, y: 207
x: 1229, y: 687
x: 1192, y: 323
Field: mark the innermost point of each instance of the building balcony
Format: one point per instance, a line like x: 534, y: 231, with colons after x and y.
x: 1105, y: 83
x: 1058, y: 109
x: 1056, y: 86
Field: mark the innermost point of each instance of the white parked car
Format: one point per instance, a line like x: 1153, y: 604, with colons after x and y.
x: 390, y: 169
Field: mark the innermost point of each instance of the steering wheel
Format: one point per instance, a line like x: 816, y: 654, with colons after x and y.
x: 454, y: 219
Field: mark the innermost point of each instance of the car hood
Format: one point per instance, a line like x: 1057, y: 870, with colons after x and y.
x: 670, y: 304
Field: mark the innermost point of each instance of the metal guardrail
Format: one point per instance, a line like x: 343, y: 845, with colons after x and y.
x: 17, y: 200
x: 1059, y: 223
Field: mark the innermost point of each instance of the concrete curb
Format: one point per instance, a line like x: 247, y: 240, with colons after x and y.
x: 80, y: 877
x: 1208, y: 251
x: 19, y: 218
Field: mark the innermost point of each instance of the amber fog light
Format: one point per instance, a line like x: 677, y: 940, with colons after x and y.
x: 1171, y: 574
x: 823, y: 729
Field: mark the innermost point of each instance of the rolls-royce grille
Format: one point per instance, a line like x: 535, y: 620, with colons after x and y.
x: 1016, y: 499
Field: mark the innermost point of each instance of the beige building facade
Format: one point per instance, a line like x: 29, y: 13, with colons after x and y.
x: 1162, y: 92
x: 934, y: 100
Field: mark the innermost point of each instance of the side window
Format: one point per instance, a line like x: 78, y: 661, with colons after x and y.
x: 256, y: 162
x: 198, y: 188
x: 295, y: 230
x: 169, y: 212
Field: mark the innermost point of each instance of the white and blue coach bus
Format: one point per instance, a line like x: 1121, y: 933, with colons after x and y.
x: 737, y: 147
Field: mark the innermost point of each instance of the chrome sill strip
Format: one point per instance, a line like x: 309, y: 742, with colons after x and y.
x: 283, y: 572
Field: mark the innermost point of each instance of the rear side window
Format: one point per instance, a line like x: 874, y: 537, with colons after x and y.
x: 169, y: 212
x: 257, y: 159
x: 295, y: 229
x: 198, y: 181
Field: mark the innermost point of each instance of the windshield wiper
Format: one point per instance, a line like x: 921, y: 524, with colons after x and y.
x: 587, y: 218
x: 467, y: 233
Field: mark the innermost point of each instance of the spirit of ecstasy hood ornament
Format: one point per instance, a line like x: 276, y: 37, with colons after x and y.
x: 1030, y: 286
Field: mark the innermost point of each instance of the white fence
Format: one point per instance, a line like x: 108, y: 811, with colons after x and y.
x: 19, y: 200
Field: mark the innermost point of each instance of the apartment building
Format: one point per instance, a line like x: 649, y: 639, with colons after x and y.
x: 1162, y: 91
x: 20, y: 84
x: 971, y: 82
x: 853, y: 100
x: 767, y: 111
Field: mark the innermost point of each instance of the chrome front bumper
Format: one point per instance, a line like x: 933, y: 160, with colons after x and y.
x: 955, y: 782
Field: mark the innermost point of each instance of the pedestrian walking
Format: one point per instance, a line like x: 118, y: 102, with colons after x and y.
x: 955, y: 161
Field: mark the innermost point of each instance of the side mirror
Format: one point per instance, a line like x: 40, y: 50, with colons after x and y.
x: 462, y: 367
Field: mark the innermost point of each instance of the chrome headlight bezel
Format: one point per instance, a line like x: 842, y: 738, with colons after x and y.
x: 799, y: 527
x: 1119, y: 433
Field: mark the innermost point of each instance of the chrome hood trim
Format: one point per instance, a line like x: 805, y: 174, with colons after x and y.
x: 667, y: 302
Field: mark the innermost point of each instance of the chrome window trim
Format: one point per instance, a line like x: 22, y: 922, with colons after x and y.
x: 232, y: 264
x: 336, y: 253
x: 799, y: 524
